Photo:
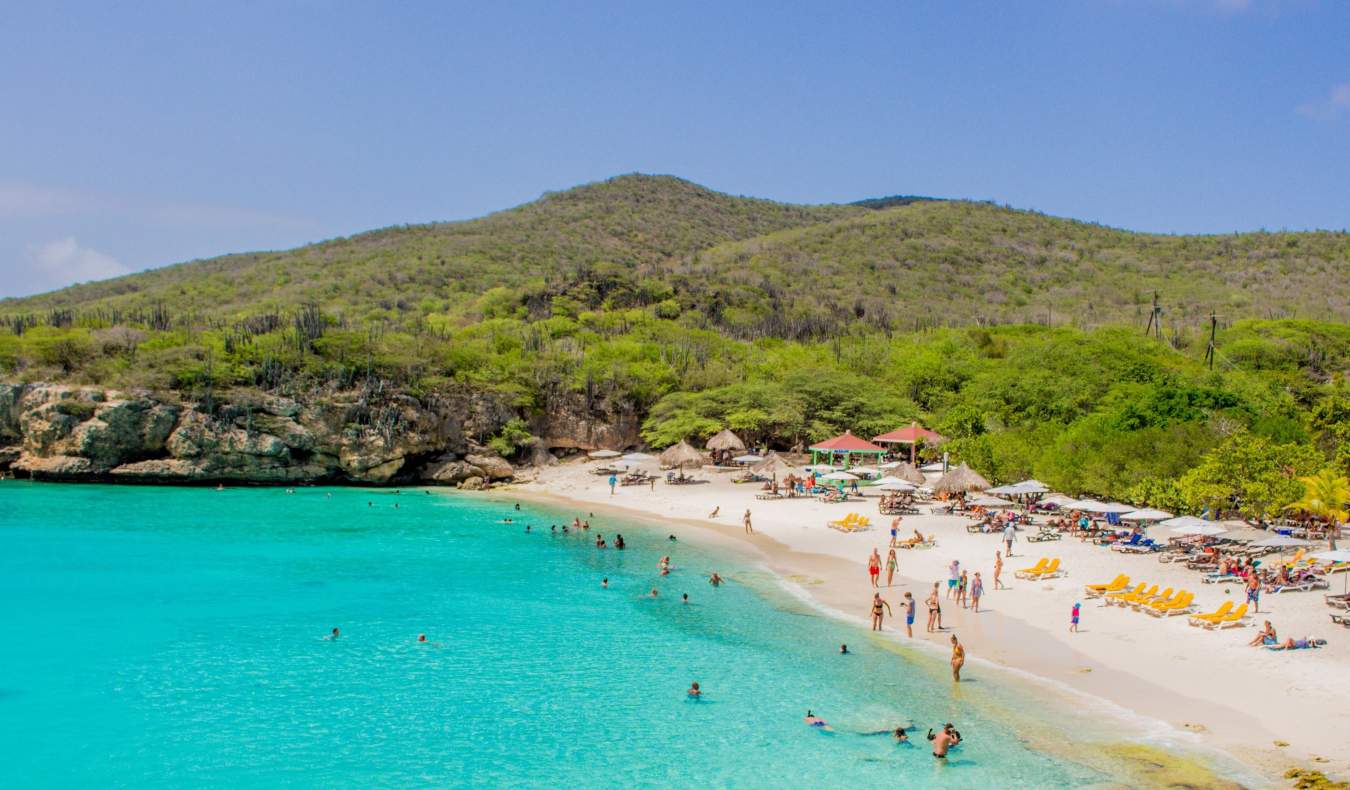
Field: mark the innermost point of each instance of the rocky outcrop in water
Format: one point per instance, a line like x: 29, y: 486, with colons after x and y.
x: 56, y: 432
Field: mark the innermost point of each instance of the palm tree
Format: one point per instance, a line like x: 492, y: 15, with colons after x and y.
x: 1325, y: 496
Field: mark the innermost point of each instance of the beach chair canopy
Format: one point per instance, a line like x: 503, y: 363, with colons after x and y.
x: 681, y: 455
x: 725, y: 440
x: 962, y: 478
x: 989, y: 501
x: 1190, y: 525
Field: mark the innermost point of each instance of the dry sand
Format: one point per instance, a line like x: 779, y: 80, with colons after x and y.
x: 1244, y: 701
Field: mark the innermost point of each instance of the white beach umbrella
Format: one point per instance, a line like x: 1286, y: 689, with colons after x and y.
x: 639, y: 457
x: 840, y: 476
x: 1146, y: 514
x: 891, y: 465
x: 1008, y: 489
x: 881, y: 481
x: 936, y: 466
x: 604, y: 454
x: 1059, y: 500
x: 748, y: 458
x: 1281, y: 542
x: 898, y: 485
x: 1117, y: 508
x: 1091, y: 506
x: 1190, y: 525
x: 1032, y: 486
x: 989, y: 501
x: 819, y: 468
x: 1333, y: 556
x: 865, y: 470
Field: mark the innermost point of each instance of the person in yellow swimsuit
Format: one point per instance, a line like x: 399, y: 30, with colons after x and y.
x: 958, y: 659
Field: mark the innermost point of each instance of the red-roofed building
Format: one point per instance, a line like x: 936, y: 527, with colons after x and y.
x: 844, y: 447
x: 911, y: 435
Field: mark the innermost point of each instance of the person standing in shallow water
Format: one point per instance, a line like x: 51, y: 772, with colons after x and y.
x: 958, y: 659
x: 878, y: 605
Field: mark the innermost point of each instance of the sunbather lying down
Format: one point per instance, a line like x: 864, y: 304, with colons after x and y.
x: 1298, y: 644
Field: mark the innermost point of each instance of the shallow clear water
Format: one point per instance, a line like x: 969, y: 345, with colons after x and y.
x: 172, y: 636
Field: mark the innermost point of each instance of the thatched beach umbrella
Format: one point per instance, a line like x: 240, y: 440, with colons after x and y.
x: 962, y: 478
x: 726, y: 440
x: 773, y: 464
x: 909, y: 473
x: 682, y: 454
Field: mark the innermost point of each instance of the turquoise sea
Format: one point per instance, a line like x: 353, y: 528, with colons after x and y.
x: 170, y: 637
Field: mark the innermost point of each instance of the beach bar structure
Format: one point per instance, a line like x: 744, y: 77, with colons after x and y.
x: 912, y: 435
x: 843, y: 449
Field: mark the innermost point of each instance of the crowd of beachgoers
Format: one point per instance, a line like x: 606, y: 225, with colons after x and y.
x: 941, y: 548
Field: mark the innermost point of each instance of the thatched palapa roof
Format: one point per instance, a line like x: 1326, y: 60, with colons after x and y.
x: 962, y: 478
x: 773, y: 464
x: 909, y: 473
x: 682, y: 454
x: 726, y: 440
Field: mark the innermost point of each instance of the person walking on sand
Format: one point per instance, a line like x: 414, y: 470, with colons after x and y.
x: 1254, y: 592
x: 1009, y: 535
x: 976, y: 591
x: 953, y: 576
x: 613, y: 481
x: 909, y: 615
x: 892, y: 564
x: 895, y: 531
x: 1073, y: 617
x: 715, y: 511
x: 998, y: 571
x: 749, y: 530
x: 878, y: 604
x: 958, y: 659
x: 874, y: 568
x: 962, y: 586
x: 934, y: 607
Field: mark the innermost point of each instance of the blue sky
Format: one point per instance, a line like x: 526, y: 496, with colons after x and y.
x: 140, y: 134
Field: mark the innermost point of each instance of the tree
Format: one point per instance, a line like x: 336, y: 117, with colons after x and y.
x: 1250, y: 474
x: 1325, y: 496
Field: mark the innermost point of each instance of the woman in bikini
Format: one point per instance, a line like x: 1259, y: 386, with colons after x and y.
x: 958, y: 659
x: 934, y: 608
x: 892, y: 564
x: 878, y: 605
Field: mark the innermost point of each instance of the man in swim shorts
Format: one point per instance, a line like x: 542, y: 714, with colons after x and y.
x: 944, y: 740
x: 909, y: 614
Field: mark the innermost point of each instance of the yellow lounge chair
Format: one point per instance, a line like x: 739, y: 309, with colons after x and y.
x: 1232, y: 619
x: 1129, y: 598
x: 1115, y: 585
x: 1182, y: 604
x: 1201, y: 619
x: 1027, y: 573
x: 1165, y: 595
x: 1050, y: 571
x: 844, y: 523
x: 862, y: 523
x: 1115, y: 596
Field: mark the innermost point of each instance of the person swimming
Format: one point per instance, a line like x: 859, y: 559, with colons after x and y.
x: 652, y: 594
x: 334, y: 635
x: 604, y: 583
x: 812, y: 720
x: 527, y: 527
x: 901, y: 736
x: 843, y: 650
x: 672, y: 539
x: 684, y: 597
x: 694, y: 691
x: 517, y: 506
x: 715, y: 580
x: 422, y: 639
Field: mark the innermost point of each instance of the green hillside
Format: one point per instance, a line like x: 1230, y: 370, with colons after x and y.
x: 652, y: 301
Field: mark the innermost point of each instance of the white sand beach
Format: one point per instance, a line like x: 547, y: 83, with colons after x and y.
x: 1271, y: 710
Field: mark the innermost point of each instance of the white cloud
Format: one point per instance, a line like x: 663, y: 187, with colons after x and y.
x: 64, y: 261
x: 1336, y: 104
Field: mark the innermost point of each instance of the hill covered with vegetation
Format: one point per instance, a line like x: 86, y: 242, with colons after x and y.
x: 1016, y: 334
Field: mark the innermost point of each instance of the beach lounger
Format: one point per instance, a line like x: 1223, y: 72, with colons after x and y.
x: 1115, y: 585
x: 1162, y: 597
x: 1307, y: 585
x: 1129, y: 599
x: 1341, y: 619
x: 1339, y: 601
x: 927, y: 544
x: 1111, y: 597
x: 845, y: 524
x: 1145, y: 546
x: 1201, y: 619
x: 1234, y: 619
x: 1184, y: 603
x: 1052, y: 571
x: 1045, y: 534
x: 1027, y: 573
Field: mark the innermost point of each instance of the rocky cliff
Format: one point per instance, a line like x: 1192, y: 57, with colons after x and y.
x: 86, y: 433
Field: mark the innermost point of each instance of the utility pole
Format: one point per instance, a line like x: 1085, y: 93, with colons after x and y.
x: 1155, y: 319
x: 1213, y: 332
